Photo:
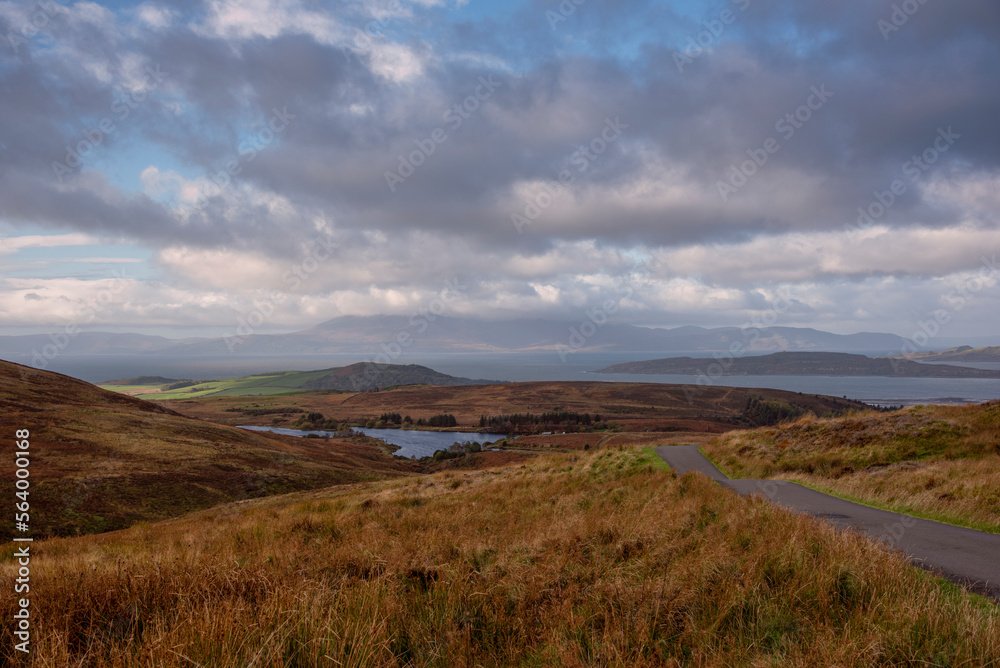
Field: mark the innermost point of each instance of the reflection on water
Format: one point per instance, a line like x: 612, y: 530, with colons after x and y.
x: 411, y: 443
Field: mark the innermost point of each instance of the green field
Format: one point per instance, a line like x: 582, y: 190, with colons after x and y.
x: 281, y: 382
x: 355, y: 377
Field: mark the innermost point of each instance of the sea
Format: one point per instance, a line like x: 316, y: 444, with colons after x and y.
x: 545, y: 366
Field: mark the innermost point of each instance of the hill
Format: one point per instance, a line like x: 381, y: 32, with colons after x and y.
x: 103, y: 460
x: 367, y: 375
x: 960, y: 354
x: 358, y: 377
x: 590, y: 559
x: 799, y: 364
x: 938, y: 462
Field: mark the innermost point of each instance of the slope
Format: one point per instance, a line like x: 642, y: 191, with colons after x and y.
x: 102, y: 460
x: 936, y: 462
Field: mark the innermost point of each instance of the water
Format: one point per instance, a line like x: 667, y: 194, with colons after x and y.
x: 528, y: 367
x: 994, y: 366
x: 411, y: 443
x: 870, y: 389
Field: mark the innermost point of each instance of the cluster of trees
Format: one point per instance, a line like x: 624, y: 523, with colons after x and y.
x: 443, y: 420
x: 528, y: 423
x: 884, y: 409
x: 457, y: 450
x: 551, y: 418
x: 385, y: 421
x: 394, y: 419
x: 318, y: 421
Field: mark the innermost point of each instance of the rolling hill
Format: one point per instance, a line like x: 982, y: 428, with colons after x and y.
x: 799, y: 364
x: 102, y: 460
x: 358, y: 377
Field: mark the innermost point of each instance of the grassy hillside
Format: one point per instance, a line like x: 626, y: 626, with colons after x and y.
x: 940, y: 462
x: 367, y: 376
x: 596, y: 559
x: 262, y: 384
x: 356, y: 377
x: 103, y: 460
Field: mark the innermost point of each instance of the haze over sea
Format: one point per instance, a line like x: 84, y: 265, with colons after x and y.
x: 520, y: 367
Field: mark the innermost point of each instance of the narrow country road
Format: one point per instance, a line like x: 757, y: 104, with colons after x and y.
x: 965, y: 556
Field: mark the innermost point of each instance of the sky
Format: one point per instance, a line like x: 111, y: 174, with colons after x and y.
x: 172, y: 168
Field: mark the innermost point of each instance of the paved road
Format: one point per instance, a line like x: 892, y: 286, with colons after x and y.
x: 966, y: 556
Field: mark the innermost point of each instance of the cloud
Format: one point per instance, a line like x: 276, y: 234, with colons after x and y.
x: 372, y: 88
x: 10, y: 245
x: 819, y: 256
x: 247, y: 19
x: 155, y: 16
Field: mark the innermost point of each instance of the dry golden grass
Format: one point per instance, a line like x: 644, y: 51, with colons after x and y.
x: 940, y: 462
x: 584, y: 559
x: 103, y: 461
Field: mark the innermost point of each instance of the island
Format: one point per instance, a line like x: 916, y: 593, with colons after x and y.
x: 960, y: 354
x: 799, y: 364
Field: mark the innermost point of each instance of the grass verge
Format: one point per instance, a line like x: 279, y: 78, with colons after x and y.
x: 651, y: 459
x: 936, y: 462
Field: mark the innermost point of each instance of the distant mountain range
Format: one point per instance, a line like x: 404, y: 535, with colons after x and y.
x: 386, y: 338
x: 960, y: 354
x: 800, y: 364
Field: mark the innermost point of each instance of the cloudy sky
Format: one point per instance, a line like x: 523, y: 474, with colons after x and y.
x: 169, y: 167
